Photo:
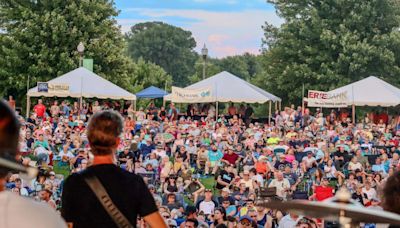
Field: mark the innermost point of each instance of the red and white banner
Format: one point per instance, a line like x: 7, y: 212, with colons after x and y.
x: 327, y: 100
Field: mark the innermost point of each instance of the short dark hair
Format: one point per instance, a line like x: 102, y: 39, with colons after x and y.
x: 194, y: 221
x: 391, y: 197
x: 103, y: 130
x: 9, y: 135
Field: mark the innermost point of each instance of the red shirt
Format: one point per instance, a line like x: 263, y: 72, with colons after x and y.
x: 39, y: 110
x: 231, y: 158
x: 322, y: 193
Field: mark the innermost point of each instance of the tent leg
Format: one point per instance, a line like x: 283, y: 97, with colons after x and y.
x: 269, y: 112
x: 28, y: 105
x: 216, y: 111
x: 353, y: 112
x: 80, y: 107
x: 134, y: 105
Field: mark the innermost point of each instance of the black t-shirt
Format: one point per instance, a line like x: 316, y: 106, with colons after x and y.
x: 359, y: 198
x: 281, y: 164
x: 122, y: 154
x: 229, y: 198
x: 29, y: 142
x: 226, y: 177
x: 128, y: 191
x: 344, y: 154
x: 249, y: 111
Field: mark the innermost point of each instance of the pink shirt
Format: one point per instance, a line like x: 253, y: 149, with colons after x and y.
x: 290, y: 158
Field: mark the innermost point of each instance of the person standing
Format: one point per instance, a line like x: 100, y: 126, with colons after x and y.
x: 55, y: 109
x: 127, y: 191
x: 248, y: 114
x: 12, y: 206
x: 40, y: 109
x: 11, y: 102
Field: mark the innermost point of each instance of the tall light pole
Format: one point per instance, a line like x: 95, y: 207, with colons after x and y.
x: 204, y: 53
x: 80, y: 49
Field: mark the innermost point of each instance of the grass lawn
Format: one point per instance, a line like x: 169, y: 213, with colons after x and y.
x: 64, y: 170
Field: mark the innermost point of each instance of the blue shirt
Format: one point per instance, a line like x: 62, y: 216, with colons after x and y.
x: 146, y: 149
x: 66, y: 110
x: 215, y: 156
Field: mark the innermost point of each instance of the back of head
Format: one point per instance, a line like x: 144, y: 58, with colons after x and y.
x: 391, y: 196
x: 9, y: 135
x: 103, y: 132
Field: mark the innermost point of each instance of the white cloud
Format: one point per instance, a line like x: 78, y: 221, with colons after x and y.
x: 224, y: 33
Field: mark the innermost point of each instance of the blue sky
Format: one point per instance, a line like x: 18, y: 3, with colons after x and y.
x: 227, y: 27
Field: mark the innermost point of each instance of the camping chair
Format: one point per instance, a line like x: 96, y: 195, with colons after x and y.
x: 150, y: 176
x: 279, y: 151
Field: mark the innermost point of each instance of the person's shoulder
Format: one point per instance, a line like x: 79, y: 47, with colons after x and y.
x: 37, y: 214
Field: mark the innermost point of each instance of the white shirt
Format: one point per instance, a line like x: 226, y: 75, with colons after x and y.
x: 69, y: 155
x: 309, y: 161
x: 207, y: 207
x: 371, y: 193
x: 34, y: 214
x: 288, y: 222
x: 280, y: 186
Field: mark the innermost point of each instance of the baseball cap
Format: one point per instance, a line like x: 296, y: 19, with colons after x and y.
x: 245, y: 217
x: 262, y: 157
x: 246, y: 172
x: 226, y: 190
x: 171, y: 222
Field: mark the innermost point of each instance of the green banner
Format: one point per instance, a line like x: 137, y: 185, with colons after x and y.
x: 88, y: 64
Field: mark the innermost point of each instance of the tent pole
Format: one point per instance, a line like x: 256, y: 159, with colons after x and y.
x: 353, y: 112
x: 269, y: 112
x: 134, y: 105
x: 80, y: 107
x: 216, y: 112
x: 280, y: 105
x: 28, y: 104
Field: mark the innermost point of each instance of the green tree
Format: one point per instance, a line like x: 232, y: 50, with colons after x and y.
x: 235, y: 65
x: 212, y: 68
x: 168, y: 46
x: 39, y: 40
x: 147, y: 74
x: 325, y: 44
x: 245, y: 66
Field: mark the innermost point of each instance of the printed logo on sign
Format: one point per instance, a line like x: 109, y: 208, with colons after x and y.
x: 205, y: 94
x: 43, y: 87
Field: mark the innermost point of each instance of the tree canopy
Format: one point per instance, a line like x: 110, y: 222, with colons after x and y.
x: 149, y: 74
x: 168, y: 46
x: 325, y: 44
x: 39, y: 39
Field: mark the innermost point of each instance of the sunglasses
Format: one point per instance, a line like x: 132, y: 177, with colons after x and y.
x: 166, y: 216
x: 245, y: 223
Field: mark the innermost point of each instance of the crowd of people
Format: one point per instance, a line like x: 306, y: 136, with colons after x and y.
x: 205, y: 170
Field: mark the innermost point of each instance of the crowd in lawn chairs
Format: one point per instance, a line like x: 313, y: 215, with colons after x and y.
x: 210, y: 171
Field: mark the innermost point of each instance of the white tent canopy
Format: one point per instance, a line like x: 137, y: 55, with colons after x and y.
x: 86, y: 84
x: 227, y: 87
x: 370, y: 91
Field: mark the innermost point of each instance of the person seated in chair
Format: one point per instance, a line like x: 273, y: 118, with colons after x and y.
x: 207, y: 205
x: 173, y: 205
x: 322, y: 192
